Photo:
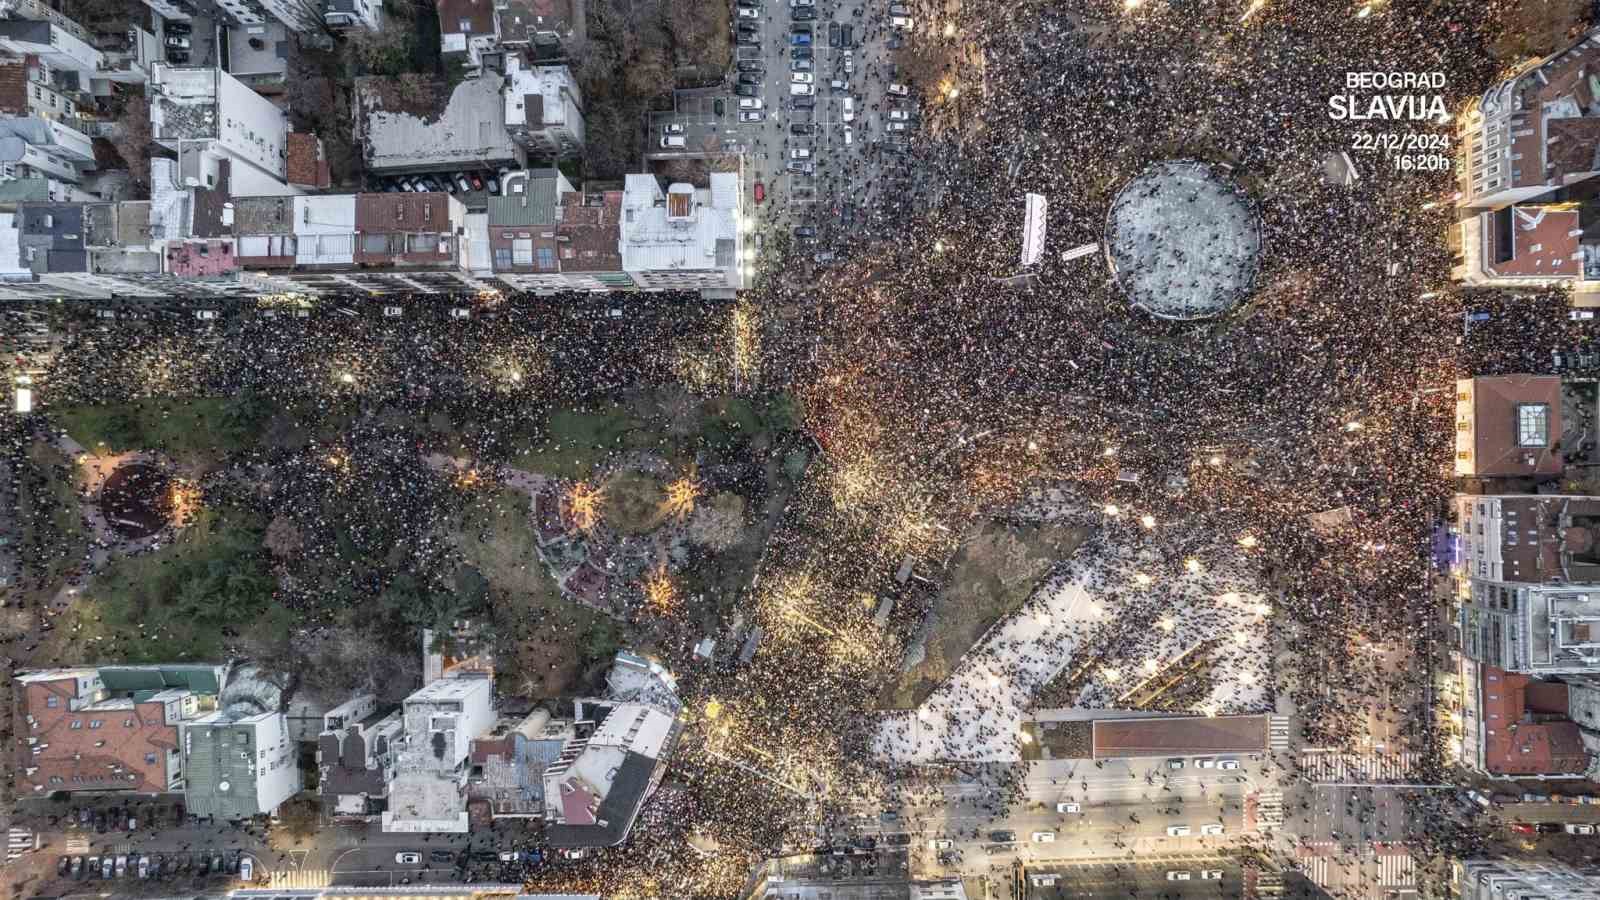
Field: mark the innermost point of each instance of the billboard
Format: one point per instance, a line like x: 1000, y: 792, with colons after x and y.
x: 1033, y: 229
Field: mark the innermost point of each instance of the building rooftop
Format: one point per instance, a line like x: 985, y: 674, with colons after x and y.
x: 682, y: 229
x: 1535, y: 241
x: 533, y: 95
x: 1525, y: 727
x: 467, y: 130
x: 522, y: 20
x: 1179, y: 736
x: 1553, y: 99
x: 307, y: 164
x: 1508, y: 425
x: 473, y: 17
x: 263, y: 215
x: 593, y: 226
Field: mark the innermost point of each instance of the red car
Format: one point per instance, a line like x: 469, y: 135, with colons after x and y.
x: 1523, y: 828
x: 761, y: 192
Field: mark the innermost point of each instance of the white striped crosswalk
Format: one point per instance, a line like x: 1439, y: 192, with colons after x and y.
x: 1269, y: 810
x: 1338, y: 767
x: 1397, y: 871
x: 1277, y: 733
x: 291, y: 879
x: 18, y: 842
x: 1315, y: 868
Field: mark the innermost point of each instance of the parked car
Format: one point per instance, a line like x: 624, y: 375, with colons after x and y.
x: 1211, y: 875
x: 1579, y: 828
x: 847, y: 38
x: 1229, y: 764
x: 747, y: 90
x: 177, y: 27
x: 247, y: 870
x: 802, y: 78
x: 1174, y: 763
x: 899, y: 90
x: 63, y: 866
x: 748, y: 39
x: 847, y: 109
x: 803, y: 153
x: 801, y: 65
x: 895, y: 126
x: 760, y: 192
x: 408, y: 858
x: 749, y: 78
x: 1002, y: 837
x: 177, y: 42
x: 800, y: 39
x: 834, y: 33
x: 805, y: 231
x: 750, y: 65
x: 801, y: 90
x: 77, y: 868
x: 802, y: 128
x: 805, y: 102
x: 1549, y: 827
x: 1068, y: 808
x: 904, y: 115
x: 800, y: 52
x: 902, y: 22
x: 92, y: 869
x: 746, y: 12
x: 752, y: 117
x: 1179, y: 831
x: 804, y: 13
x: 121, y: 868
x: 1211, y: 828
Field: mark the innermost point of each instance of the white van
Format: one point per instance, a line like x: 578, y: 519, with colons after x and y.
x: 1205, y: 762
x: 1044, y: 837
x: 849, y: 110
x: 673, y: 141
x: 1068, y: 808
x: 802, y: 90
x: 1177, y: 876
x: 1229, y: 764
x: 750, y: 103
x: 1211, y: 828
x: 1178, y: 831
x: 849, y: 135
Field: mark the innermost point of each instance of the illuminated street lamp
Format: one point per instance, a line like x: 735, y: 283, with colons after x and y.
x: 938, y: 246
x: 1147, y: 520
x: 1113, y: 510
x: 1109, y: 451
x: 1192, y: 565
x: 1353, y: 426
x: 949, y: 29
x: 1142, y: 580
x: 1248, y: 541
x: 1167, y: 625
x: 347, y: 378
x: 1151, y: 665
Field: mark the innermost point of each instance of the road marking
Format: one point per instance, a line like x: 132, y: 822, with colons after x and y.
x: 294, y: 879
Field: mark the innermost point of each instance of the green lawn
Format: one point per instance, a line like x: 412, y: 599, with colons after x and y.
x: 192, y: 425
x: 177, y: 603
x: 578, y: 440
x: 634, y: 502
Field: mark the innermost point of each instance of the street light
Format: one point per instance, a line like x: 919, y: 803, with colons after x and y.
x: 1112, y: 510
x: 1147, y: 520
x: 347, y: 378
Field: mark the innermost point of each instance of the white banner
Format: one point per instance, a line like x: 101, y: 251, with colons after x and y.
x: 1033, y: 229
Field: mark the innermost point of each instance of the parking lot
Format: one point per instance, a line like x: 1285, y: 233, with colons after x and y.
x: 812, y: 153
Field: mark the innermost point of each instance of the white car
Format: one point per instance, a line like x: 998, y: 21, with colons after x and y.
x: 1211, y: 875
x: 1205, y: 762
x: 1177, y: 876
x: 1068, y: 808
x: 752, y: 117
x: 1211, y: 828
x: 939, y: 844
x: 672, y: 128
x: 1178, y: 831
x: 205, y: 315
x: 746, y: 12
x: 392, y: 312
x: 899, y: 90
x: 247, y: 870
x: 1576, y: 828
x: 1229, y: 764
x: 751, y: 103
x: 1044, y: 837
x: 849, y: 135
x: 460, y: 312
x: 802, y: 77
x: 899, y: 115
x: 847, y: 110
x: 794, y: 3
x: 801, y: 90
x: 900, y: 22
x: 895, y: 126
x: 1174, y: 763
x: 407, y: 858
x: 800, y: 153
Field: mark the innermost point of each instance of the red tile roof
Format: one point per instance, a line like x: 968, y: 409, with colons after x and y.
x: 14, y: 86
x: 477, y: 15
x: 1544, y: 244
x: 1493, y: 416
x: 124, y: 747
x: 1519, y: 741
x: 307, y: 163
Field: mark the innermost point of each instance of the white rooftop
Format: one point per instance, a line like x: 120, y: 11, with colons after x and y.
x: 469, y: 132
x: 705, y: 236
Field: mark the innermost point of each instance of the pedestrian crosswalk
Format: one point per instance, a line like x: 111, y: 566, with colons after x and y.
x: 1335, y: 766
x: 1269, y: 810
x: 293, y: 879
x: 1315, y: 868
x: 1399, y: 871
x: 1277, y: 733
x: 18, y: 842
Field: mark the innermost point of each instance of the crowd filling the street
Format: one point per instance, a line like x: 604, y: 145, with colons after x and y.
x: 909, y: 562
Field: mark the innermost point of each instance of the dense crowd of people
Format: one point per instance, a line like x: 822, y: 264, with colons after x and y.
x: 941, y: 396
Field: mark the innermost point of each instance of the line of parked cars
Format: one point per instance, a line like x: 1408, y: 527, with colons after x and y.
x: 177, y: 41
x: 446, y: 182
x: 155, y: 865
